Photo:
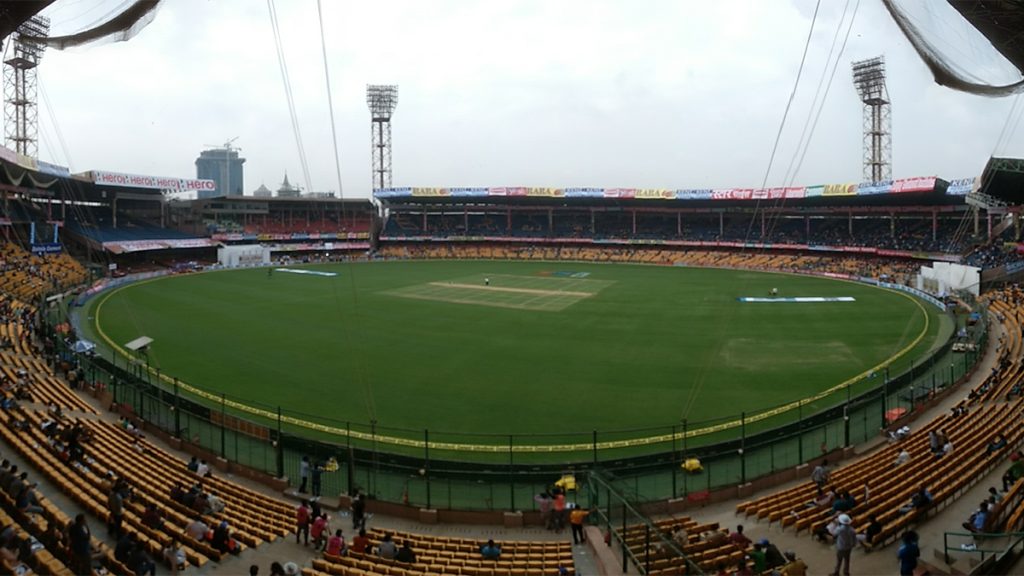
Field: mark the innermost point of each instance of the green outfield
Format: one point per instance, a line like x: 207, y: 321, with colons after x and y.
x: 516, y: 347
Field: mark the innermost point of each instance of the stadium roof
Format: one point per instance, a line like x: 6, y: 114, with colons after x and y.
x: 1003, y: 178
x: 14, y: 14
x: 1001, y: 21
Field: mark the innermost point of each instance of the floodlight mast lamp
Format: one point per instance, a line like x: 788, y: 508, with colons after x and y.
x: 382, y: 99
x: 869, y: 79
x: 21, y: 112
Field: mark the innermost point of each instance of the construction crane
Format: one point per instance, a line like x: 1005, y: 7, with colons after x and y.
x: 228, y: 149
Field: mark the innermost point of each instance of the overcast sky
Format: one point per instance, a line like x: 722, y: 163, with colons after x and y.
x: 559, y: 93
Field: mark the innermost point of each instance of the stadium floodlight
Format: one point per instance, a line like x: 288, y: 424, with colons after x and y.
x: 869, y: 80
x: 382, y: 100
x: 21, y: 113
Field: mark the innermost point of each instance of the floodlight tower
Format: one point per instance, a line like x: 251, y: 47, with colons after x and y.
x: 21, y: 114
x: 869, y: 79
x: 382, y: 99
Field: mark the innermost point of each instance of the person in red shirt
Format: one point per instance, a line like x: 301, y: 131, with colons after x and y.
x: 302, y: 522
x: 361, y: 543
x: 336, y: 543
x: 559, y: 511
x: 738, y: 538
x: 319, y: 532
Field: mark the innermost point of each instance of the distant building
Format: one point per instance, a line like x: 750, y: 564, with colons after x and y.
x: 224, y: 167
x: 318, y: 195
x: 262, y: 192
x: 287, y: 190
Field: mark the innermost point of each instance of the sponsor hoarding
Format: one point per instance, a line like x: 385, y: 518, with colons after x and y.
x: 151, y: 182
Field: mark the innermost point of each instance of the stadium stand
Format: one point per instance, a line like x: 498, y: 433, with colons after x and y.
x: 27, y: 276
x: 444, y: 555
x: 892, y: 269
x: 970, y: 427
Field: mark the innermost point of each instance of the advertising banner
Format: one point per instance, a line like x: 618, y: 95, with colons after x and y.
x: 47, y: 248
x: 429, y: 192
x: 814, y: 191
x: 962, y: 186
x: 732, y: 194
x: 583, y: 192
x: 392, y: 193
x: 795, y: 192
x: 870, y: 188
x: 699, y: 194
x: 544, y: 192
x: 840, y: 190
x: 654, y: 194
x: 923, y: 184
x: 144, y: 245
x: 623, y: 193
x: 54, y: 169
x: 468, y: 192
x: 151, y: 182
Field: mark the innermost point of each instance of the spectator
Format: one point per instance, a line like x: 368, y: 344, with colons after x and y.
x: 773, y: 557
x: 303, y: 473
x: 994, y: 495
x: 203, y: 470
x: 871, y: 532
x: 276, y: 569
x: 319, y: 532
x: 387, y: 549
x: 26, y: 501
x: 544, y: 502
x: 151, y: 517
x: 998, y: 442
x: 908, y: 554
x: 919, y: 501
x: 358, y: 511
x: 738, y: 538
x: 361, y: 543
x: 336, y: 544
x: 976, y: 522
x: 1015, y: 472
x: 315, y: 474
x: 903, y: 457
x: 558, y: 510
x: 576, y: 518
x: 846, y: 539
x: 794, y: 566
x: 197, y: 529
x: 174, y: 556
x: 844, y: 503
x: 115, y: 507
x: 302, y: 522
x: 490, y: 551
x: 758, y: 558
x: 820, y: 475
x: 405, y: 553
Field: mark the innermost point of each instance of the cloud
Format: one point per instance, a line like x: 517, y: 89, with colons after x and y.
x: 661, y: 93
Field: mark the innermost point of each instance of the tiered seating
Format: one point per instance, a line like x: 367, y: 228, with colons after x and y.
x: 438, y: 555
x: 873, y: 267
x: 113, y: 451
x: 945, y: 477
x: 27, y: 276
x: 708, y: 555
